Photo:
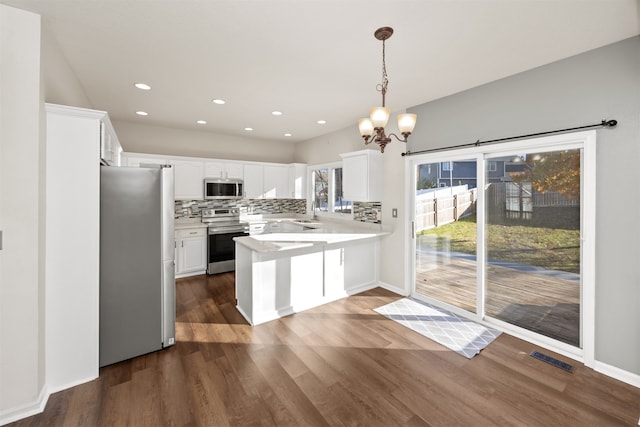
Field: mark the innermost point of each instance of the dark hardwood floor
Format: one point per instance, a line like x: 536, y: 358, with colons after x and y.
x: 338, y: 364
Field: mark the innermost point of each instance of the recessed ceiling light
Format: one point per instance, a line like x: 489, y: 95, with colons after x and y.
x: 142, y: 113
x: 143, y: 86
x: 201, y: 122
x: 248, y: 129
x: 276, y: 113
x: 287, y: 134
x: 219, y: 101
x: 321, y: 122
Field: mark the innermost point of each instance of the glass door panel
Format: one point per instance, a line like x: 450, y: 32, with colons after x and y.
x: 445, y: 221
x: 532, y: 241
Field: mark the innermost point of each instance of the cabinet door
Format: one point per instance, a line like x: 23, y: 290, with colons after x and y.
x: 214, y: 170
x: 253, y: 181
x: 193, y: 254
x: 276, y: 180
x: 189, y: 178
x: 137, y: 161
x: 223, y: 169
x: 297, y: 181
x: 234, y: 170
x: 355, y: 174
x: 361, y: 174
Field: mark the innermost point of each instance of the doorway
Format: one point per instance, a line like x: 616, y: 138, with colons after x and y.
x: 503, y: 234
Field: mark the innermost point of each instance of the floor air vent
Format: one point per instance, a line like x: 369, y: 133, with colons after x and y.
x: 552, y: 361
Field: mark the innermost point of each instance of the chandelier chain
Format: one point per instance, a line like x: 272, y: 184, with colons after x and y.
x: 385, y: 80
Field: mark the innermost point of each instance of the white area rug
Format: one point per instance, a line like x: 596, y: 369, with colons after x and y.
x: 457, y: 333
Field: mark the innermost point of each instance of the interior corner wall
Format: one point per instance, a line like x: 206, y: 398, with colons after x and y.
x: 140, y: 138
x: 22, y: 387
x: 327, y: 148
x: 600, y: 84
x: 60, y: 83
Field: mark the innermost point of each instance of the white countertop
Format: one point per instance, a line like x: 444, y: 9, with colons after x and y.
x: 321, y: 233
x: 184, y: 223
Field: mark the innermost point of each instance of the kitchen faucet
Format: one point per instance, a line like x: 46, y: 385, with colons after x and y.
x: 313, y: 209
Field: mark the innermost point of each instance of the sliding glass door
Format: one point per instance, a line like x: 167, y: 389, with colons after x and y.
x: 445, y: 224
x: 532, y: 242
x: 499, y: 234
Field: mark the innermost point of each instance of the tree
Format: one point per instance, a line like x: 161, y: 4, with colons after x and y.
x: 554, y: 171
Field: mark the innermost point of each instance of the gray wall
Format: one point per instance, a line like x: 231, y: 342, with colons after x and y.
x: 600, y: 84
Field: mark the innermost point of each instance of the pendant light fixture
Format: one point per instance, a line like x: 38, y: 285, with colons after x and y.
x: 372, y: 128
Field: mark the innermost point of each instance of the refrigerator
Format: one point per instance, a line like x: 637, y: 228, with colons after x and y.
x: 137, y: 270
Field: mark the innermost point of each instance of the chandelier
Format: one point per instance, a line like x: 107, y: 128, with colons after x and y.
x: 372, y: 128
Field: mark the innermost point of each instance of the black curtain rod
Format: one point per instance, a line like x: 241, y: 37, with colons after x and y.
x: 603, y: 124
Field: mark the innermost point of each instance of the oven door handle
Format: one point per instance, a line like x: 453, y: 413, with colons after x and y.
x: 225, y: 230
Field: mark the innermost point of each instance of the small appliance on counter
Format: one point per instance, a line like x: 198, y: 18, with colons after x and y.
x: 137, y: 269
x: 223, y: 225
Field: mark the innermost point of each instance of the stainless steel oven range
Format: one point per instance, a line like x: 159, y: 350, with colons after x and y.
x: 223, y: 225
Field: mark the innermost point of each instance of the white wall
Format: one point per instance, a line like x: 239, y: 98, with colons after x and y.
x: 138, y: 138
x: 327, y: 148
x: 60, y: 83
x: 22, y: 350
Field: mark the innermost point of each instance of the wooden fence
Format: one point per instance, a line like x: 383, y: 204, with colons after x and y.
x: 444, y: 206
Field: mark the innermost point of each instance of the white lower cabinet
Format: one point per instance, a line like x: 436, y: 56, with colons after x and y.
x: 270, y: 285
x: 191, y: 251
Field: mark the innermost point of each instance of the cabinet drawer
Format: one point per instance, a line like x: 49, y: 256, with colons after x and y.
x: 191, y: 232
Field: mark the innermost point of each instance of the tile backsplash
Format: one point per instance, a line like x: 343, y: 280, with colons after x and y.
x: 192, y: 208
x: 362, y: 211
x: 367, y: 212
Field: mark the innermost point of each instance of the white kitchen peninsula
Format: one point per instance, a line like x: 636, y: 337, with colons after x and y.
x: 283, y: 273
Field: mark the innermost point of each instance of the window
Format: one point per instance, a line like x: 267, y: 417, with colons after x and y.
x: 446, y: 166
x: 493, y: 166
x: 326, y: 181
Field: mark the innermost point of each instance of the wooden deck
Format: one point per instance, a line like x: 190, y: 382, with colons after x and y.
x: 547, y: 305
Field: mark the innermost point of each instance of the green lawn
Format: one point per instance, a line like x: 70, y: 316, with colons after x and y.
x: 554, y: 249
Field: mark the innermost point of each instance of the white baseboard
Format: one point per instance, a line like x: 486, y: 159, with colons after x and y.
x: 72, y: 384
x: 617, y: 373
x: 26, y: 410
x: 395, y: 289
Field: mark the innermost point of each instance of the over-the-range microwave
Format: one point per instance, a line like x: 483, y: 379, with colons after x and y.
x: 223, y: 188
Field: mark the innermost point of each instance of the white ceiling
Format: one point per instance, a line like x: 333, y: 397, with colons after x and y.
x: 310, y: 59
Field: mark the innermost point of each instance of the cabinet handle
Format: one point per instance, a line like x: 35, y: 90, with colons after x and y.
x: 193, y: 232
x: 182, y: 243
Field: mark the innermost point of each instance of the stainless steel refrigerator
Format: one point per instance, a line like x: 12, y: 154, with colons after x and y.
x: 137, y: 276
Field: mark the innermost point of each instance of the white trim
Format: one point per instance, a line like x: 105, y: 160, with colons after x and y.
x: 617, y: 373
x: 393, y: 288
x: 26, y: 410
x: 588, y: 255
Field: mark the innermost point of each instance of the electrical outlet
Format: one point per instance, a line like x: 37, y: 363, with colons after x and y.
x: 394, y: 213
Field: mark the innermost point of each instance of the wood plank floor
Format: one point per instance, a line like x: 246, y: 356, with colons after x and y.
x: 540, y: 303
x: 341, y: 364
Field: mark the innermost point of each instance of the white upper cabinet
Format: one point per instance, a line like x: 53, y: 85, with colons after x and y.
x: 266, y: 181
x: 297, y: 181
x: 261, y: 180
x: 276, y: 181
x: 189, y: 179
x: 223, y: 169
x: 362, y: 176
x: 253, y: 181
x: 136, y: 160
